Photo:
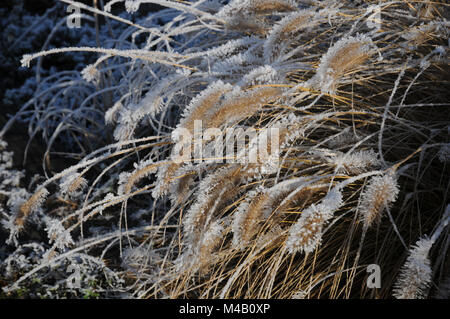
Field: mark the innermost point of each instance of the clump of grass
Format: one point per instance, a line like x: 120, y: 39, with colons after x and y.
x: 361, y: 112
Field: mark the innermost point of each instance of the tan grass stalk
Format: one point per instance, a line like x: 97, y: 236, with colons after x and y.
x: 285, y: 31
x: 306, y: 234
x: 79, y: 183
x: 343, y: 57
x: 30, y: 206
x: 270, y: 6
x: 139, y: 174
x: 202, y: 106
x: 243, y: 105
x: 379, y: 195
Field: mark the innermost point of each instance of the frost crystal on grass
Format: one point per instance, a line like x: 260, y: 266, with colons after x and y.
x: 72, y: 184
x: 241, y: 218
x: 284, y: 30
x: 129, y: 179
x: 23, y: 209
x: 211, y: 239
x: 90, y: 73
x: 374, y: 19
x: 26, y: 59
x: 415, y: 275
x: 58, y: 234
x: 344, y: 56
x: 261, y: 75
x: 379, y: 194
x: 306, y: 234
x: 355, y: 163
x: 132, y: 5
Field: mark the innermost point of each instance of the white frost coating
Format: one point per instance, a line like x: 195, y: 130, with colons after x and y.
x: 152, y: 103
x: 72, y: 183
x: 58, y: 234
x: 295, y: 130
x: 212, y: 235
x: 374, y: 21
x: 35, y: 202
x: 415, y: 275
x: 160, y: 190
x: 132, y: 5
x: 231, y: 8
x: 197, y: 253
x: 258, y: 151
x: 91, y: 74
x: 325, y: 77
x: 174, y: 184
x: 235, y: 63
x: 203, y: 195
x: 112, y: 111
x: 229, y: 48
x: 246, y: 6
x: 202, y: 97
x: 343, y: 139
x: 261, y: 75
x: 124, y: 177
x: 125, y: 129
x: 306, y: 234
x: 380, y: 194
x: 355, y: 163
x: 300, y: 294
x: 240, y: 215
x: 272, y: 45
x: 151, y: 56
x: 417, y: 34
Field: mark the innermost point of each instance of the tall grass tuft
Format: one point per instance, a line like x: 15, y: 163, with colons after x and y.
x: 358, y: 93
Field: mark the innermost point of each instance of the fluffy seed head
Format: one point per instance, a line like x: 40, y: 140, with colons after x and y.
x: 415, y: 275
x: 306, y: 234
x: 343, y: 57
x: 30, y: 206
x: 379, y: 195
